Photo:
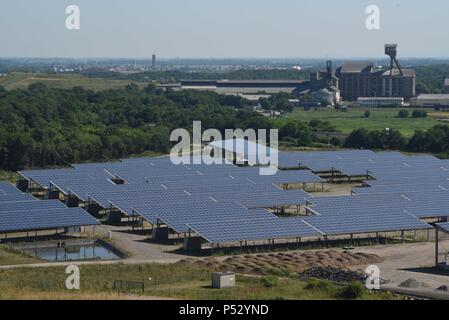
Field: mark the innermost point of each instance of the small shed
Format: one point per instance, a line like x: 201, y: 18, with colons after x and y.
x: 222, y: 280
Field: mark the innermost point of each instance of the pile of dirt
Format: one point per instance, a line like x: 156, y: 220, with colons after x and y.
x: 333, y: 274
x: 289, y: 262
x: 410, y: 283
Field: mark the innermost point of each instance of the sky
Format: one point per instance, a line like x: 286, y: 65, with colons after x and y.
x: 223, y: 29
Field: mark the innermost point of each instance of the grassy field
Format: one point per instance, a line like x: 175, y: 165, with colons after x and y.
x: 380, y: 119
x: 167, y: 281
x: 62, y: 81
x: 10, y: 257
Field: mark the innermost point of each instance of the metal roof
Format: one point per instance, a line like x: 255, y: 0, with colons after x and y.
x: 355, y: 66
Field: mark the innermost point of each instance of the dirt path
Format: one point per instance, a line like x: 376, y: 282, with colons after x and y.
x: 138, y: 248
x: 405, y: 261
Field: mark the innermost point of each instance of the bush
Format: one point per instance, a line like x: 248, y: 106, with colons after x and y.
x: 353, y: 290
x: 317, y: 284
x: 367, y: 114
x: 335, y: 141
x: 278, y: 272
x: 419, y: 114
x: 403, y: 114
x: 270, y: 281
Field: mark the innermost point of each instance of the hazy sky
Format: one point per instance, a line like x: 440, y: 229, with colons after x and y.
x: 226, y: 28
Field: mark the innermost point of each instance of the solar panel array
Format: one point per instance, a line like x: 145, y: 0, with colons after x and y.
x: 175, y: 195
x: 226, y: 203
x: 22, y: 212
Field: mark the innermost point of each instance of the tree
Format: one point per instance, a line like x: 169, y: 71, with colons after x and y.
x: 419, y: 114
x: 298, y: 131
x: 265, y: 104
x: 403, y: 114
x: 359, y: 138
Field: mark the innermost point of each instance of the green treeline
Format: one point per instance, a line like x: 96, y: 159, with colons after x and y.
x: 42, y: 127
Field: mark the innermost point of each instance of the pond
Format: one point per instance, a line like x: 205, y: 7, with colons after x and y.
x: 67, y: 251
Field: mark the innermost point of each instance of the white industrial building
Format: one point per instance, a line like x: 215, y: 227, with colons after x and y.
x: 430, y: 100
x: 376, y: 102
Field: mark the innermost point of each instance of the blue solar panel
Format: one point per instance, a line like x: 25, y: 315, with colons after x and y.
x: 358, y: 221
x: 16, y: 197
x: 8, y: 188
x: 31, y: 205
x: 15, y: 221
x: 177, y: 213
x: 253, y: 230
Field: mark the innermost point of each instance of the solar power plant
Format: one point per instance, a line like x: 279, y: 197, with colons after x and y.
x: 21, y: 220
x: 8, y: 188
x: 254, y: 230
x: 226, y: 200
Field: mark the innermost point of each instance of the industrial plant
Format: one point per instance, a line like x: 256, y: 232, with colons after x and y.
x: 349, y: 82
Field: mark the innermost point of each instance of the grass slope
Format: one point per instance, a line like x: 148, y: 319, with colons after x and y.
x: 11, y: 257
x: 380, y: 119
x: 168, y: 281
x: 61, y: 81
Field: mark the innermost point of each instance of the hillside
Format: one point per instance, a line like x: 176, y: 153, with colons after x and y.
x: 60, y: 81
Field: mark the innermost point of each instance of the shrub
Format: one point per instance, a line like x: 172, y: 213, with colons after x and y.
x: 278, y: 272
x: 317, y: 284
x: 269, y: 282
x: 367, y: 114
x: 419, y: 114
x: 353, y: 290
x: 403, y: 114
x: 335, y: 141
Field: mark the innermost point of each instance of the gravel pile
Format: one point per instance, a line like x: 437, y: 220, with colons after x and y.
x: 410, y: 283
x: 333, y: 274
